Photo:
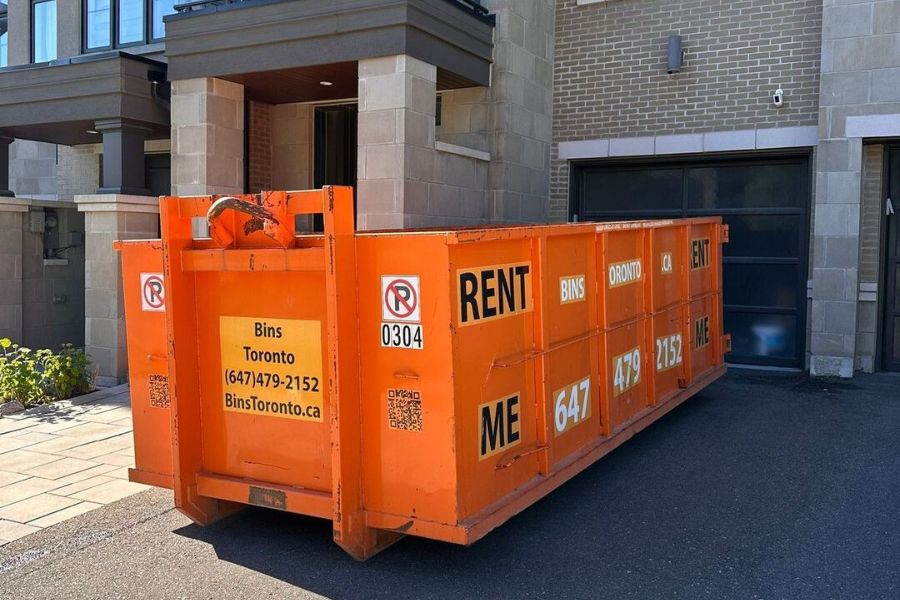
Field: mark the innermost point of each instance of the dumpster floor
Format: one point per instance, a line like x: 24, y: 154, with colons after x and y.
x: 765, y: 485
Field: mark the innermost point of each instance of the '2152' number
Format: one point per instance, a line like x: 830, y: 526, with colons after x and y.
x: 668, y: 351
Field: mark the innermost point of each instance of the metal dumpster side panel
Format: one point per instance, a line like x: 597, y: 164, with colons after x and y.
x: 262, y: 446
x: 407, y: 404
x: 142, y: 269
x: 494, y: 388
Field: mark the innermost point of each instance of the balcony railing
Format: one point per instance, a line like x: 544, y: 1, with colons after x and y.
x: 473, y: 7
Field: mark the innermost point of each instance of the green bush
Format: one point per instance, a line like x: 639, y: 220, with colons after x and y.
x: 38, y: 376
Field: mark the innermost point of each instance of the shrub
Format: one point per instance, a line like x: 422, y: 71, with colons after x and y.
x: 37, y: 376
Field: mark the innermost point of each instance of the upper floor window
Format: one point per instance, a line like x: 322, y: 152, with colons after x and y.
x: 43, y: 32
x: 117, y: 23
x: 3, y: 43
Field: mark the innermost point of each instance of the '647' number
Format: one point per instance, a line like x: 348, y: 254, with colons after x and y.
x: 578, y: 407
x: 626, y: 371
x: 401, y: 335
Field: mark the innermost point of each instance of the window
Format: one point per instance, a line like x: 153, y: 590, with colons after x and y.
x: 99, y: 29
x: 3, y: 27
x: 43, y: 23
x: 117, y: 23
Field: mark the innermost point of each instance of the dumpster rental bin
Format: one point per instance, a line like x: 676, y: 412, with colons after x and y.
x: 145, y: 320
x: 431, y: 382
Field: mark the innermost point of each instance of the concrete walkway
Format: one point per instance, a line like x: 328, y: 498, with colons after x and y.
x: 64, y: 459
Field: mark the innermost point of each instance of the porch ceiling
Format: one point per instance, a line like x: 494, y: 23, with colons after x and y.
x: 244, y: 39
x: 59, y: 102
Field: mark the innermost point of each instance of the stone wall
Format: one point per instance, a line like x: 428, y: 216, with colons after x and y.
x: 860, y: 100
x: 32, y: 169
x: 291, y: 127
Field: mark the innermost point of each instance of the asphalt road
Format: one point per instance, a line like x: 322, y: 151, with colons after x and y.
x: 764, y: 486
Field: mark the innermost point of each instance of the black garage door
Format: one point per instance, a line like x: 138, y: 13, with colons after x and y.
x: 763, y: 199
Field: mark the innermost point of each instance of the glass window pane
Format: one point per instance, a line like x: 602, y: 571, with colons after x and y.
x: 131, y: 21
x: 776, y: 236
x: 98, y: 23
x: 161, y: 8
x: 746, y: 186
x: 761, y: 285
x: 755, y: 335
x: 630, y: 191
x: 3, y: 38
x: 44, y: 19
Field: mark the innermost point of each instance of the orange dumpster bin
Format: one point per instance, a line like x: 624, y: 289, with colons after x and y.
x: 145, y: 318
x: 431, y: 383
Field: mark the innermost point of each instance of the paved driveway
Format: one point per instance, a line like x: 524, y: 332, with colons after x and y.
x: 764, y: 486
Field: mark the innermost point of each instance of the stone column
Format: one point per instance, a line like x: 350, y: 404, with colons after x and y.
x: 123, y: 157
x: 110, y: 217
x: 395, y: 140
x: 13, y: 213
x: 5, y: 190
x: 207, y: 137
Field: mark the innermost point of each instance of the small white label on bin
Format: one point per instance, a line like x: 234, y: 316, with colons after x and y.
x: 400, y: 298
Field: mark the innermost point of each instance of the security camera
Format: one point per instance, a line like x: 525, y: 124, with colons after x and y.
x: 778, y: 98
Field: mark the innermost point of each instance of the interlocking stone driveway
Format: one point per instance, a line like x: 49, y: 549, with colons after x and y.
x: 64, y: 459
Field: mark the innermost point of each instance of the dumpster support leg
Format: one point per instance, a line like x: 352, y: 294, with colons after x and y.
x: 351, y: 532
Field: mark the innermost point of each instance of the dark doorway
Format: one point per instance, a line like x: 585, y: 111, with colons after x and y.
x: 335, y: 147
x: 891, y: 338
x: 765, y: 202
x: 158, y: 174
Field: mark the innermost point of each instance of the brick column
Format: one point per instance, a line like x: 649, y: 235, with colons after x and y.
x: 395, y: 140
x: 13, y: 213
x: 207, y: 137
x: 110, y: 217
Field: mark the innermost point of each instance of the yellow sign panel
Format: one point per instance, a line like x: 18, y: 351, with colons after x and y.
x: 272, y: 367
x: 494, y: 292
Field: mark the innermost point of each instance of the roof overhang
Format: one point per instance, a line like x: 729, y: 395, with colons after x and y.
x: 233, y: 40
x: 60, y: 101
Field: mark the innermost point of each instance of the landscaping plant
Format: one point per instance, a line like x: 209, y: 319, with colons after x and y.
x: 38, y: 376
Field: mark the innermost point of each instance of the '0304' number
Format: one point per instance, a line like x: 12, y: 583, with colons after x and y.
x: 627, y: 371
x: 668, y: 352
x: 401, y: 335
x: 578, y: 407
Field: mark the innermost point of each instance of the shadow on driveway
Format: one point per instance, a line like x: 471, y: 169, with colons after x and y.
x: 765, y: 485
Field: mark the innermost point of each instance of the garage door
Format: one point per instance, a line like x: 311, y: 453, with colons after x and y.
x: 764, y: 200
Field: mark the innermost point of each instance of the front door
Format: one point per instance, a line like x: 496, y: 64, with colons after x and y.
x: 335, y: 149
x: 891, y: 338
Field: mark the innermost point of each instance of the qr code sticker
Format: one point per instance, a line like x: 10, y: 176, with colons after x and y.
x: 159, y: 391
x: 405, y: 409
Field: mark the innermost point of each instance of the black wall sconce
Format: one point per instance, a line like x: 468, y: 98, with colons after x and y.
x: 676, y: 55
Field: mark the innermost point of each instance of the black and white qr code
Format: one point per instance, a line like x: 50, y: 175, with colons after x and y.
x: 159, y: 391
x: 405, y: 409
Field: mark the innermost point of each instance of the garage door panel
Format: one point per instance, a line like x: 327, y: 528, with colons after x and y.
x: 768, y: 236
x: 621, y: 192
x: 744, y: 186
x: 763, y: 338
x: 761, y: 285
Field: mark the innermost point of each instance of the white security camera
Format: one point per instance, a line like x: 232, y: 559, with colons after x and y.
x: 778, y: 98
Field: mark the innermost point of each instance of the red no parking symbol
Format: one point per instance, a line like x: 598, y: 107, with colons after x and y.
x: 153, y: 292
x: 401, y: 298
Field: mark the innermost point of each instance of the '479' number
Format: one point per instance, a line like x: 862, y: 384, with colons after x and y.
x: 627, y: 371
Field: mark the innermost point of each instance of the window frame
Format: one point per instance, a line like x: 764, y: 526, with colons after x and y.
x: 147, y: 7
x: 32, y: 22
